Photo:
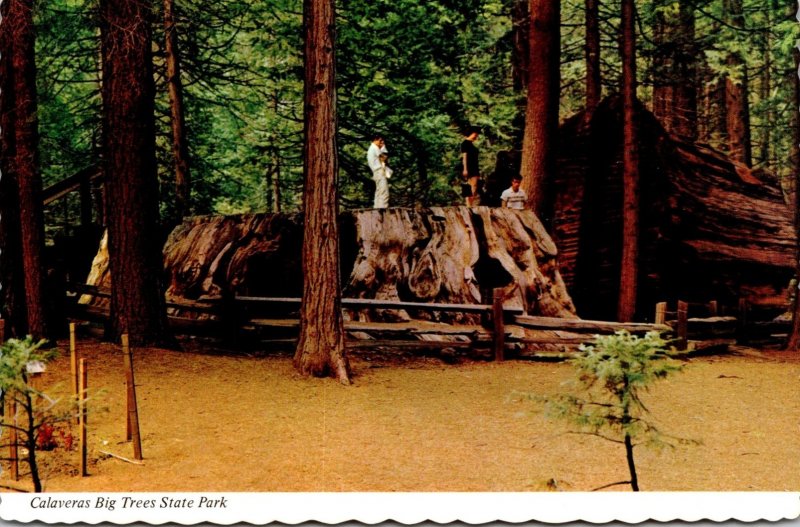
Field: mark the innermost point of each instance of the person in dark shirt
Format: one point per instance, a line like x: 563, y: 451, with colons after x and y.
x: 470, y: 171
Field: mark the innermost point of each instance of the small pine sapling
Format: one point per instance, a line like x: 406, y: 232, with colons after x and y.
x: 35, y: 411
x: 611, y: 374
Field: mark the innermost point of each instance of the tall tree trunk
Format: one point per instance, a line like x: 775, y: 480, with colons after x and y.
x: 275, y: 181
x: 628, y: 282
x: 180, y: 147
x: 541, y: 116
x: 320, y: 349
x: 594, y: 86
x: 675, y: 85
x: 793, y: 343
x: 26, y: 157
x: 765, y: 139
x: 736, y: 88
x: 520, y: 63
x: 12, y: 293
x: 137, y: 301
x: 712, y: 126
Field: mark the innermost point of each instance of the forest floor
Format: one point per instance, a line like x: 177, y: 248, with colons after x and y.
x: 216, y: 421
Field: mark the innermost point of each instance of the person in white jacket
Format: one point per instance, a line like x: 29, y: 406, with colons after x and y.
x: 376, y: 159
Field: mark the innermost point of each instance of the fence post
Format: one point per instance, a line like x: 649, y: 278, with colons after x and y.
x: 133, y: 412
x: 13, y: 451
x: 743, y: 315
x: 661, y: 313
x: 683, y: 324
x: 713, y: 308
x: 499, y: 324
x: 82, y: 413
x: 73, y: 365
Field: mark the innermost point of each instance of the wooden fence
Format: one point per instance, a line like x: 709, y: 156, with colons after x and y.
x: 277, y: 317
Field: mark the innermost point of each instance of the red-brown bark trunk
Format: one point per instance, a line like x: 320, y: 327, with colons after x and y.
x: 29, y: 181
x: 594, y: 85
x: 736, y: 92
x: 674, y: 90
x: 12, y: 294
x: 628, y: 282
x: 320, y: 349
x: 180, y: 147
x: 520, y: 63
x: 541, y: 117
x: 137, y: 302
x: 793, y: 343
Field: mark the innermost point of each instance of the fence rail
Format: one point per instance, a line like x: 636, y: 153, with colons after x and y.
x: 500, y: 328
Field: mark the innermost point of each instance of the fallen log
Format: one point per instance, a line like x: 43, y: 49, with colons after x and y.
x: 709, y: 227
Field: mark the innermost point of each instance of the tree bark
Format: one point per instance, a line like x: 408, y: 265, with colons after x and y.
x: 12, y: 294
x: 26, y: 158
x: 793, y: 342
x: 137, y: 302
x: 628, y: 282
x: 594, y: 86
x: 180, y: 147
x: 541, y: 116
x: 736, y: 92
x: 320, y: 349
x: 674, y: 90
x: 520, y: 64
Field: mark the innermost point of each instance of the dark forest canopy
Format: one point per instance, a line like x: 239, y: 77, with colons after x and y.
x: 416, y: 71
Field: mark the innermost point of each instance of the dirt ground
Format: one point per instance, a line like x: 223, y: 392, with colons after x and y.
x: 213, y: 421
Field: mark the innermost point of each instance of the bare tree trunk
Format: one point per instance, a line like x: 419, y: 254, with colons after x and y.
x: 628, y: 282
x: 736, y: 88
x: 180, y: 147
x: 594, y: 85
x: 137, y: 301
x: 26, y: 158
x: 275, y: 181
x: 12, y: 294
x: 765, y: 139
x: 320, y: 349
x: 541, y: 116
x: 793, y: 343
x: 674, y: 90
x: 520, y: 63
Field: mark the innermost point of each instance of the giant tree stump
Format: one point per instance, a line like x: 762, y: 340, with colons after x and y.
x: 436, y: 255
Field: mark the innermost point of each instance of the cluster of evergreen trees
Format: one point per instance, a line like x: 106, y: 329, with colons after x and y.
x: 417, y: 71
x: 207, y: 105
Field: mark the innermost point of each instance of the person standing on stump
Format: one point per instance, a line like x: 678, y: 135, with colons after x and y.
x: 376, y: 159
x: 470, y: 170
x: 514, y: 197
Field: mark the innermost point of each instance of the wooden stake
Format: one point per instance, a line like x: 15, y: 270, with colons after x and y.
x: 133, y: 414
x: 82, y: 413
x: 744, y: 308
x: 128, y: 401
x: 683, y: 324
x: 73, y: 364
x: 2, y: 330
x: 499, y: 324
x: 13, y: 453
x: 661, y: 313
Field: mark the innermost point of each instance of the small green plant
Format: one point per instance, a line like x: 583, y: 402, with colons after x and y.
x: 611, y: 374
x: 35, y: 411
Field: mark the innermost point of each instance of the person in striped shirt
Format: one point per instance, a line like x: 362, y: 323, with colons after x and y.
x: 514, y: 197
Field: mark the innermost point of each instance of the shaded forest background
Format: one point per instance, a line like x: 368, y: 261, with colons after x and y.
x: 194, y: 108
x: 416, y: 71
